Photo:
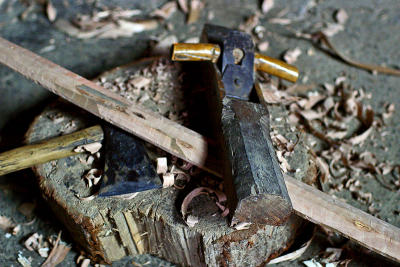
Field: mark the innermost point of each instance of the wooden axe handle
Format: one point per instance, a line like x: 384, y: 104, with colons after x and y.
x: 52, y: 149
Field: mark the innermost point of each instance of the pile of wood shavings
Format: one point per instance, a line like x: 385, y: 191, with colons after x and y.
x: 156, y: 87
x: 336, y: 124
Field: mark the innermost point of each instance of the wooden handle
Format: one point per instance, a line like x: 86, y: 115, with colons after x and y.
x: 196, y: 52
x: 211, y: 52
x: 276, y: 67
x: 56, y: 148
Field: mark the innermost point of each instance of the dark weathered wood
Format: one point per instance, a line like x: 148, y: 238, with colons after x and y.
x: 253, y: 179
x: 44, y: 151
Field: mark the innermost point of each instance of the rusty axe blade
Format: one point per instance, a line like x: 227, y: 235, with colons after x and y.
x: 127, y: 169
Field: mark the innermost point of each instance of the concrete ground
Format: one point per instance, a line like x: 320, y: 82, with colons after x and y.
x: 371, y: 34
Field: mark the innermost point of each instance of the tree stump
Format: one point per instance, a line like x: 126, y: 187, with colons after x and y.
x: 150, y: 223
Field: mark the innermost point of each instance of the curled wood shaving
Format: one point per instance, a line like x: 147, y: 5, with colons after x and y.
x: 270, y: 94
x: 57, y: 254
x: 324, y: 38
x: 324, y: 169
x: 292, y: 255
x: 88, y: 198
x: 360, y: 138
x: 221, y: 197
x: 93, y: 177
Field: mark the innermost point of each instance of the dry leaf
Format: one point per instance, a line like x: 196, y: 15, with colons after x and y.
x: 341, y: 16
x: 292, y: 55
x: 196, y: 7
x: 51, y: 11
x: 267, y: 5
x: 166, y: 10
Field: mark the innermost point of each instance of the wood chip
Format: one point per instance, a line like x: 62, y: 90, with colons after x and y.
x: 360, y: 138
x: 25, y: 262
x: 91, y: 148
x: 196, y: 7
x: 324, y: 169
x: 6, y: 224
x: 51, y: 11
x: 281, y: 21
x: 192, y: 220
x: 266, y: 6
x: 57, y: 254
x: 332, y: 29
x: 168, y: 180
x: 183, y: 5
x: 292, y: 255
x: 341, y: 16
x: 263, y: 46
x: 166, y: 10
x: 162, y: 166
x: 291, y: 55
x: 242, y: 226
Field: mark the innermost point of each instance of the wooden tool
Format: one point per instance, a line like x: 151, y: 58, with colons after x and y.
x: 52, y: 149
x: 252, y: 176
x: 369, y: 231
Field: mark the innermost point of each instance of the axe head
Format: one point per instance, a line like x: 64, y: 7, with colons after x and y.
x: 127, y: 169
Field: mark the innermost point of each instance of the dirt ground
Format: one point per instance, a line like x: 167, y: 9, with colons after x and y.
x: 370, y: 34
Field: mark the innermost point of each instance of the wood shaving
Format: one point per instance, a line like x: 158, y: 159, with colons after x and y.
x: 192, y: 220
x: 196, y: 8
x: 280, y: 21
x: 6, y: 224
x: 292, y: 255
x: 92, y: 148
x: 166, y: 10
x: 291, y: 55
x: 341, y: 16
x: 168, y: 180
x: 51, y: 11
x: 266, y: 6
x: 57, y: 254
x: 332, y: 29
x: 88, y: 198
x: 92, y: 177
x: 25, y: 262
x: 183, y: 5
x: 242, y: 226
x: 220, y: 198
x: 263, y: 46
x: 360, y: 138
x: 162, y: 166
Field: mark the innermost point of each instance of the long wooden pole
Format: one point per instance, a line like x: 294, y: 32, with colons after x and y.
x: 154, y: 128
x: 52, y: 149
x: 307, y: 201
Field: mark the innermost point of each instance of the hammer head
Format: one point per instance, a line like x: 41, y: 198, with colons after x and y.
x: 237, y: 59
x: 127, y: 167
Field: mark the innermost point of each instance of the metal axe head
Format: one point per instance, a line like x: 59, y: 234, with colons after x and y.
x: 127, y: 169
